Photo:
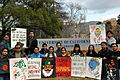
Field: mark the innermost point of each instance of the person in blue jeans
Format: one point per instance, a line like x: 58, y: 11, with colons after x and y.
x: 36, y: 54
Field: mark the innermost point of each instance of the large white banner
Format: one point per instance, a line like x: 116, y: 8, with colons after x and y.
x: 34, y: 68
x: 66, y: 42
x: 78, y: 66
x: 18, y: 69
x: 93, y: 67
x: 18, y: 35
x: 97, y: 34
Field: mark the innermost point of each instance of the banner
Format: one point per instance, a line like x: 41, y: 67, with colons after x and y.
x: 48, y: 67
x: 78, y: 66
x: 63, y: 67
x: 34, y: 68
x: 97, y: 34
x: 18, y: 35
x: 110, y: 69
x: 93, y: 67
x: 18, y: 69
x: 66, y: 42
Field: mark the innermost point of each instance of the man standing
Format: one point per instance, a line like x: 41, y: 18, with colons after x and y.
x: 31, y: 42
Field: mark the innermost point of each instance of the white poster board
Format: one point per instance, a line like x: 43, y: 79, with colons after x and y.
x: 34, y: 68
x: 97, y: 34
x: 18, y: 68
x: 78, y: 66
x: 93, y: 67
x: 18, y: 35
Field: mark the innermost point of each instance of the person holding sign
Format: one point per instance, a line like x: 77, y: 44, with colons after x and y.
x: 51, y: 52
x: 4, y: 67
x: 77, y: 51
x: 36, y: 54
x: 63, y: 52
x: 91, y: 51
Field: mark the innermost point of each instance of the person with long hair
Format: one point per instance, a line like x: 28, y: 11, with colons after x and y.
x: 77, y: 51
x: 63, y: 52
x: 51, y: 52
x: 91, y: 51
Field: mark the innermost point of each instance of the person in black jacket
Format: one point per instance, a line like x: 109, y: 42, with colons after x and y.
x: 18, y: 53
x: 77, y: 51
x: 91, y: 51
x: 104, y: 53
x: 44, y: 49
x: 31, y: 43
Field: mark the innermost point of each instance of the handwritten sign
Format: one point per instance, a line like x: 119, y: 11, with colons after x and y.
x: 18, y: 35
x: 34, y: 68
x: 18, y: 69
x: 78, y: 66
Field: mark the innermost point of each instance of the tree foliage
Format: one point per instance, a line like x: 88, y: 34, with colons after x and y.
x: 30, y: 14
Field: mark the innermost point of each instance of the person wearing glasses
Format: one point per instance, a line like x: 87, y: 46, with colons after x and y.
x: 18, y: 52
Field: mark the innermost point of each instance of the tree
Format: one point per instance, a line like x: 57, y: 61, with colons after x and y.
x: 118, y: 21
x: 108, y: 25
x: 76, y: 14
x: 30, y: 14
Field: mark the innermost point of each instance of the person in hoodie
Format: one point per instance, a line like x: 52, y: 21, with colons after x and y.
x: 44, y: 49
x: 77, y: 51
x: 4, y: 65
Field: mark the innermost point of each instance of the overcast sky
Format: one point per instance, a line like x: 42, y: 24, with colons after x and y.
x: 99, y: 9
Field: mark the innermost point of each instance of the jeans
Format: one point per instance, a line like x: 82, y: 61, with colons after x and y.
x: 4, y: 77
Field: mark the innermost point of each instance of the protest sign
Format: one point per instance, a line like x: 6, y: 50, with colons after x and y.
x: 63, y: 67
x: 78, y: 66
x: 97, y: 34
x: 48, y: 67
x: 18, y: 69
x: 18, y: 36
x: 34, y: 68
x: 93, y: 67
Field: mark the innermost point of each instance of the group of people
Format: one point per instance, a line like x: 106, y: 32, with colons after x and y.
x: 108, y: 50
